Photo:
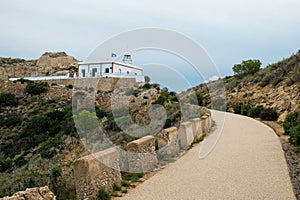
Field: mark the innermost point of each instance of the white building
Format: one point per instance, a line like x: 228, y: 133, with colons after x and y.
x: 111, y: 69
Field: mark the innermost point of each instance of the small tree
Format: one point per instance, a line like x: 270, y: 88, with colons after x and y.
x: 7, y: 99
x: 291, y: 120
x: 36, y: 88
x: 268, y: 114
x: 247, y: 67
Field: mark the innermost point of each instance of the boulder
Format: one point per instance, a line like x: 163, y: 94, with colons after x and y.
x: 42, y: 193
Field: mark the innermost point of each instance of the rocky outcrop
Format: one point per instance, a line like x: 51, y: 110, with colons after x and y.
x: 48, y: 64
x: 282, y: 98
x: 42, y: 193
x: 58, y: 60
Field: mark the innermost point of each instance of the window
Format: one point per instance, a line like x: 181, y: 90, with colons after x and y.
x: 127, y: 72
x: 94, y: 72
x: 106, y: 70
x: 120, y: 71
x: 83, y: 72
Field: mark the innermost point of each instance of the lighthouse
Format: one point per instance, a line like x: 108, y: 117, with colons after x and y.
x: 127, y: 58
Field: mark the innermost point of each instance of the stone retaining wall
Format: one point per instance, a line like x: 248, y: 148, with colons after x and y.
x: 94, y: 171
x: 185, y: 134
x: 140, y: 156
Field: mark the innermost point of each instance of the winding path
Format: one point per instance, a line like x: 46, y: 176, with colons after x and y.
x: 247, y: 163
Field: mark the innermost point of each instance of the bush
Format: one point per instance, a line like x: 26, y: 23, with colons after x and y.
x: 146, y: 86
x: 295, y: 135
x: 255, y: 112
x: 10, y: 120
x: 268, y: 114
x: 100, y: 112
x: 7, y: 99
x: 116, y: 187
x: 237, y: 108
x: 103, y: 194
x: 36, y: 88
x: 245, y: 109
x: 5, y: 164
x: 56, y: 171
x: 291, y: 120
x: 247, y: 67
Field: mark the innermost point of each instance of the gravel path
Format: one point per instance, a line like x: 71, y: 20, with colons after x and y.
x: 247, y: 163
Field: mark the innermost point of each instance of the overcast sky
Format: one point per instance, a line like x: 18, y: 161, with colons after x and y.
x: 229, y: 30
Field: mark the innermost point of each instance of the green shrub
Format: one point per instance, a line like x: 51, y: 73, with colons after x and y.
x: 5, y: 164
x: 255, y: 112
x: 147, y: 86
x: 268, y: 114
x: 10, y: 120
x: 245, y: 109
x: 125, y: 183
x: 237, y: 108
x: 103, y: 194
x: 7, y: 99
x: 36, y: 88
x: 116, y: 187
x: 295, y: 135
x: 246, y: 67
x: 56, y: 171
x: 291, y: 120
x: 161, y: 100
x: 100, y: 112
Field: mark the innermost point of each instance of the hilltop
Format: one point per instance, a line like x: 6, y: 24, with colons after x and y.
x: 276, y: 86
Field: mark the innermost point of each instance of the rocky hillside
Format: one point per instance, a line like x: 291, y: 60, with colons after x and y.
x: 38, y: 138
x: 47, y: 64
x: 275, y: 86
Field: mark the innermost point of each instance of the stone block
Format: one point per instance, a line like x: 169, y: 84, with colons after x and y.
x: 197, y: 128
x: 99, y: 170
x: 167, y: 142
x: 141, y: 154
x: 204, y: 124
x: 185, y: 134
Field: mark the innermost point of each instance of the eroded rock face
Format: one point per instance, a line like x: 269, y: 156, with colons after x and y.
x: 42, y: 193
x: 55, y: 60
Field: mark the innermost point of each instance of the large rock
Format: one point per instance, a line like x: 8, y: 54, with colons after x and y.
x: 99, y: 170
x: 57, y: 60
x: 42, y: 193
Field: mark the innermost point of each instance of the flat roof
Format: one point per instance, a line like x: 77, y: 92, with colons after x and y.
x: 109, y: 62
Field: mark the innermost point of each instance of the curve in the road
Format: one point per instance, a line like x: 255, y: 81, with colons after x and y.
x: 247, y: 163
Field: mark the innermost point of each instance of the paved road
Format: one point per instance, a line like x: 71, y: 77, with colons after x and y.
x: 246, y: 163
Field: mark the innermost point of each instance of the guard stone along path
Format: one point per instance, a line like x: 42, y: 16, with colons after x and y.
x: 246, y: 163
